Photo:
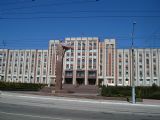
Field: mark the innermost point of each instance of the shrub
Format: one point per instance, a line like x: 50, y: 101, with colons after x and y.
x: 20, y: 86
x: 152, y: 92
x: 155, y: 95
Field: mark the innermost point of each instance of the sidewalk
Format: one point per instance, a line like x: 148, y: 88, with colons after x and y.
x: 81, y: 96
x: 151, y: 101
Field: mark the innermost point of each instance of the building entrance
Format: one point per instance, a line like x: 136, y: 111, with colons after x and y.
x: 80, y: 81
x: 91, y: 81
x: 68, y: 81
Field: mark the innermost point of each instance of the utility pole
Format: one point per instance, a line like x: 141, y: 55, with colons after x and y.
x: 133, y: 81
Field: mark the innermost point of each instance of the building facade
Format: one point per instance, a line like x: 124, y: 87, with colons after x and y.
x: 90, y: 62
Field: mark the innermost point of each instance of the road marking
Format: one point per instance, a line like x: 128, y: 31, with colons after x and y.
x: 35, y: 116
x: 82, y: 100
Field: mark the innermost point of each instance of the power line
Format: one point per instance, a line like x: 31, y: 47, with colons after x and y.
x: 18, y: 2
x: 78, y: 17
x: 85, y: 11
x: 51, y: 4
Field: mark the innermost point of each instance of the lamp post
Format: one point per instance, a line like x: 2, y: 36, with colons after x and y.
x: 133, y: 81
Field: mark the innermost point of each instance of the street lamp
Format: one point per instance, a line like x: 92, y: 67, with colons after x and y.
x: 133, y: 81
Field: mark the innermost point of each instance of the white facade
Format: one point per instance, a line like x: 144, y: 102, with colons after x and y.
x: 109, y: 69
x: 81, y: 63
x: 146, y: 67
x: 90, y: 62
x: 26, y: 66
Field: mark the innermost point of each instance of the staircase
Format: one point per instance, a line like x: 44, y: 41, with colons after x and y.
x: 88, y: 89
x: 47, y: 89
x: 82, y: 89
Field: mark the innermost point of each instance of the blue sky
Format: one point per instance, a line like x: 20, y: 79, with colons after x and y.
x: 30, y: 24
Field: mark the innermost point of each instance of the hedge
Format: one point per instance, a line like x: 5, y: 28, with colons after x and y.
x: 8, y: 86
x: 152, y: 92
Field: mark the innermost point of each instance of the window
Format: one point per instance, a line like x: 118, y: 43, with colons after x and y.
x: 78, y: 67
x: 140, y: 60
x: 67, y: 54
x: 83, y: 66
x: 15, y: 65
x: 45, y: 65
x: 79, y: 54
x: 71, y: 66
x: 9, y: 71
x: 72, y: 53
x: 90, y: 66
x: 140, y: 66
x: 94, y: 61
x: 72, y: 43
x: 83, y: 59
x: 38, y: 72
x: 140, y: 55
x: 94, y: 54
x: 78, y: 61
x: 140, y: 73
x: 126, y: 67
x: 154, y: 60
x: 90, y: 61
x: 155, y: 74
x: 79, y: 44
x: 37, y: 79
x: 126, y: 55
x: 94, y: 45
x: 120, y: 81
x: 154, y: 67
x: 44, y: 79
x: 67, y: 59
x: 79, y: 48
x: 39, y: 55
x: 126, y: 73
x: 120, y: 73
x: 126, y: 60
x: 94, y: 66
x: 44, y: 72
x: 147, y: 55
x: 154, y: 54
x: 147, y: 61
x: 147, y: 73
x: 27, y: 53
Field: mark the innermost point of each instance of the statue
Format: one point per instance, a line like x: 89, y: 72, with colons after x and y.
x: 61, y: 49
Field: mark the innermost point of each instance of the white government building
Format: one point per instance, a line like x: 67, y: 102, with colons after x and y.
x: 91, y: 62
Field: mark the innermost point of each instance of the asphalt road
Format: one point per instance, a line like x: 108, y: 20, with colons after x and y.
x: 30, y: 107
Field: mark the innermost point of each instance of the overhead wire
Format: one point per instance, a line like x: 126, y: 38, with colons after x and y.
x: 76, y: 17
x: 84, y: 11
x: 79, y: 17
x: 46, y: 5
x: 14, y: 3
